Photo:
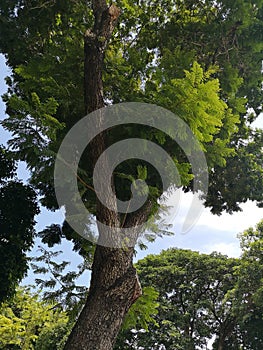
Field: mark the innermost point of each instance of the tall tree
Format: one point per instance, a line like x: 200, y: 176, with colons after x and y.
x: 143, y: 61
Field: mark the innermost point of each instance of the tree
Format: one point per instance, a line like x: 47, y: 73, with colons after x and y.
x: 144, y: 61
x: 18, y: 207
x: 27, y: 323
x: 202, y: 297
x: 248, y: 291
x: 193, y: 303
x: 246, y: 296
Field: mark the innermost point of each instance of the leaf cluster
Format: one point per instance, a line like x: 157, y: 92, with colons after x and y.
x: 201, y: 60
x: 28, y: 323
x: 18, y: 207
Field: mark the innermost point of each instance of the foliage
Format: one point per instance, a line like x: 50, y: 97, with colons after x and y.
x: 201, y: 60
x: 32, y: 321
x: 202, y: 296
x: 248, y: 292
x: 18, y: 207
x: 29, y: 323
x: 225, y: 36
x: 58, y: 282
x: 61, y: 287
x: 235, y: 179
x: 142, y: 311
x: 192, y: 289
x: 139, y: 316
x: 188, y: 298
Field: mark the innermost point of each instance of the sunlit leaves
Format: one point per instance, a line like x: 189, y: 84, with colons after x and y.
x: 28, y: 323
x: 142, y: 311
x: 193, y: 58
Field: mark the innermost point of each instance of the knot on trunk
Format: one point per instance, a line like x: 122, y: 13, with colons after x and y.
x: 114, y: 12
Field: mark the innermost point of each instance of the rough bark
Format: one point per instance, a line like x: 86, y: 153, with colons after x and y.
x: 112, y: 290
x: 114, y: 283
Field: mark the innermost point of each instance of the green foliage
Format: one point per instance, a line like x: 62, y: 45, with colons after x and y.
x: 188, y: 298
x: 58, y: 282
x: 142, y: 311
x: 36, y: 127
x: 29, y: 323
x: 196, y: 99
x: 201, y: 60
x: 18, y: 207
x: 226, y: 36
x: 60, y: 286
x: 249, y: 291
x: 192, y: 289
x: 202, y: 296
x: 233, y: 182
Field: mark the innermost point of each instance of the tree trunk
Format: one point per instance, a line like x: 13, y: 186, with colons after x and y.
x: 220, y: 344
x: 227, y: 328
x: 112, y: 292
x: 114, y: 283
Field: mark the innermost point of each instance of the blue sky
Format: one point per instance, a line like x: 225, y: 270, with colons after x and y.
x: 211, y: 233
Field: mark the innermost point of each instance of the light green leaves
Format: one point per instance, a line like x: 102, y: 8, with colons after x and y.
x: 26, y: 319
x: 142, y: 311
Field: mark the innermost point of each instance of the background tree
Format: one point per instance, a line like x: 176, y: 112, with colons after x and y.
x: 194, y: 307
x: 147, y: 60
x: 248, y: 291
x: 18, y: 207
x: 202, y: 297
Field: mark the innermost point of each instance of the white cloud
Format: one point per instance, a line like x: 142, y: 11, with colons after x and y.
x: 237, y: 222
x: 258, y: 123
x: 229, y: 249
x: 210, y: 233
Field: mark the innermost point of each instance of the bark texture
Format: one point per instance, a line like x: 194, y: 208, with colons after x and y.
x: 112, y: 292
x: 114, y: 283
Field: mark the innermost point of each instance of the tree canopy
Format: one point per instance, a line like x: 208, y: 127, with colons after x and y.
x: 210, y: 79
x: 202, y: 298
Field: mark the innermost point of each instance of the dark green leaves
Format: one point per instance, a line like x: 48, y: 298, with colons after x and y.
x: 18, y: 207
